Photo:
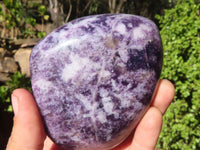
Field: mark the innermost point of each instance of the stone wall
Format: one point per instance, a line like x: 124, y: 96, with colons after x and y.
x: 13, y: 61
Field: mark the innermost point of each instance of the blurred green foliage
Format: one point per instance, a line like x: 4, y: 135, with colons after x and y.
x: 19, y: 19
x: 180, y: 32
x: 17, y: 80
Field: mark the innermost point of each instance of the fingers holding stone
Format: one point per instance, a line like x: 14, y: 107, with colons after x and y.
x: 147, y: 131
x: 164, y: 95
x: 28, y: 131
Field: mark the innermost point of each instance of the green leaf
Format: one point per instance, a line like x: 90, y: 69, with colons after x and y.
x: 180, y: 32
x: 42, y: 10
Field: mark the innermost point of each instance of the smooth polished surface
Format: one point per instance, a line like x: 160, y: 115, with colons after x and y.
x: 94, y: 77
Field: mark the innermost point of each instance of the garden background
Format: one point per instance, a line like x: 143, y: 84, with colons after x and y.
x: 24, y: 22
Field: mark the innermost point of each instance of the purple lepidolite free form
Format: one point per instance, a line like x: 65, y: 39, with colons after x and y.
x: 93, y: 79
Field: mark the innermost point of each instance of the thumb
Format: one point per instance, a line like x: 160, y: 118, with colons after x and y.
x: 28, y: 132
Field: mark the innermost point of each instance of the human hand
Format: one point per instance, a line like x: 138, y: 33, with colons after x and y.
x: 28, y: 132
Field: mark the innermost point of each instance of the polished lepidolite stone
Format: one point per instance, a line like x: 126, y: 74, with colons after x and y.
x: 93, y: 79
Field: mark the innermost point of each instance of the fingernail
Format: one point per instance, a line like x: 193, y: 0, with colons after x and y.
x: 14, y: 100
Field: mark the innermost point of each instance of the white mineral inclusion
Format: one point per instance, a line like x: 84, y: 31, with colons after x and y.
x: 101, y: 116
x: 43, y: 84
x: 93, y: 79
x: 141, y: 35
x: 138, y: 33
x: 77, y: 64
x: 121, y: 28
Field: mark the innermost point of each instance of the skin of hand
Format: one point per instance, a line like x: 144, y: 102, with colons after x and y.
x: 28, y: 132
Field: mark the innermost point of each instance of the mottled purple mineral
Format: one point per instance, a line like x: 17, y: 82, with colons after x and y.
x: 93, y: 79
